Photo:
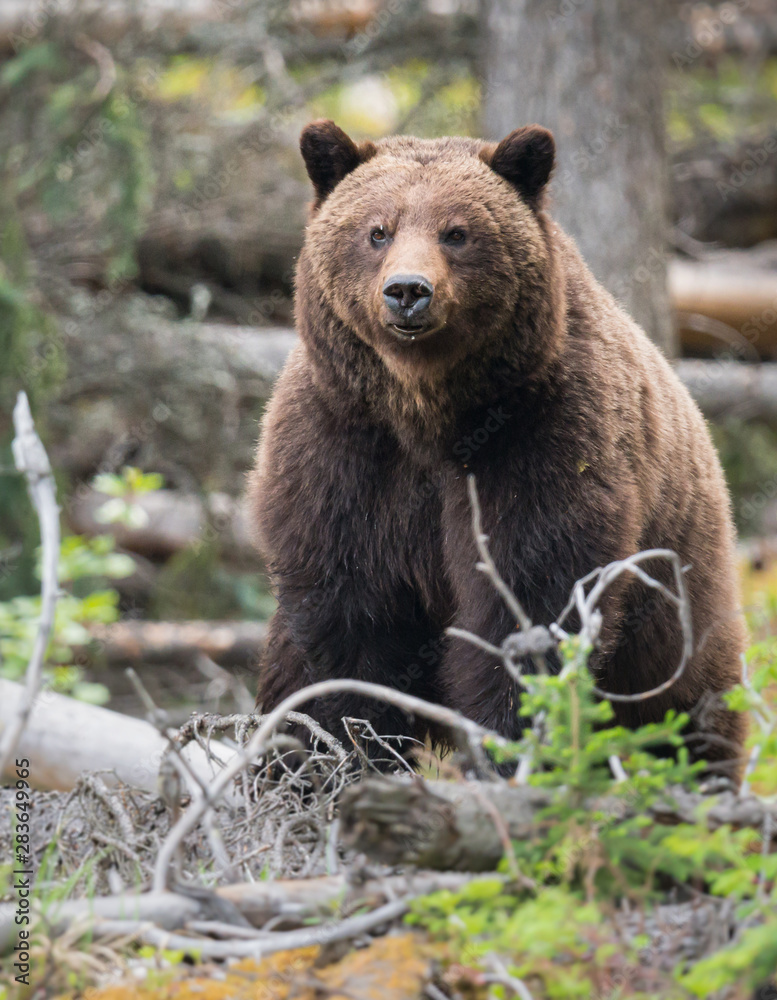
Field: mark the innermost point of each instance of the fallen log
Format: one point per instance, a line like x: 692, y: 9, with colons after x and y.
x: 214, y: 27
x: 731, y: 388
x: 173, y: 521
x: 463, y: 826
x: 727, y: 303
x: 229, y: 643
x: 146, y: 389
x: 64, y: 737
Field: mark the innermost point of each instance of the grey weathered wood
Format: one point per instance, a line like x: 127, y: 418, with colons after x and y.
x: 732, y: 388
x: 290, y: 903
x: 134, y: 641
x: 32, y: 461
x: 64, y: 737
x: 591, y: 72
x: 447, y: 825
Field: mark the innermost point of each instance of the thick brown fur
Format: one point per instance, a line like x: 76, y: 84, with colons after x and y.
x: 585, y: 447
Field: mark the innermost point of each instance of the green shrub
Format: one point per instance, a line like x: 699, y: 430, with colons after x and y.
x: 596, y: 851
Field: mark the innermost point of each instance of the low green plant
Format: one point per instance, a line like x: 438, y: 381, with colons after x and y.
x: 125, y: 489
x: 86, y: 565
x: 61, y: 961
x: 596, y: 852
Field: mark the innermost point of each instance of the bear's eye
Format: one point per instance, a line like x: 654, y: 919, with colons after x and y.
x: 377, y: 235
x: 455, y: 236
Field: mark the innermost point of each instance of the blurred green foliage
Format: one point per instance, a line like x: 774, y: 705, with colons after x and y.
x: 84, y: 567
x: 56, y: 121
x: 415, y: 98
x: 721, y: 101
x: 82, y: 146
x: 194, y: 583
x: 748, y: 452
x: 124, y: 490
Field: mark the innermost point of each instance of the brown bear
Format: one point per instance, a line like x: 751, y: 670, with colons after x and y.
x: 449, y: 327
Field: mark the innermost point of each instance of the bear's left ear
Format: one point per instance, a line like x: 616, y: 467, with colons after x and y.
x: 330, y: 154
x: 525, y: 158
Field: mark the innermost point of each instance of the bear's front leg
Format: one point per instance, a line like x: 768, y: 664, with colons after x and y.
x: 346, y: 551
x: 331, y: 633
x: 477, y: 683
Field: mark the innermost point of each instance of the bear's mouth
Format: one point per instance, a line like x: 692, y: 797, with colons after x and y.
x: 411, y: 333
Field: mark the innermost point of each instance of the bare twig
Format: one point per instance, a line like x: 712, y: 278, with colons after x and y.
x: 487, y: 564
x: 618, y: 771
x: 256, y: 746
x: 105, y: 64
x: 591, y: 619
x: 170, y: 788
x: 31, y: 459
x: 475, y: 640
x: 368, y: 731
x: 535, y: 641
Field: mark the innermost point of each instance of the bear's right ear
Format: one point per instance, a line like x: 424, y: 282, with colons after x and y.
x: 525, y: 158
x: 330, y: 154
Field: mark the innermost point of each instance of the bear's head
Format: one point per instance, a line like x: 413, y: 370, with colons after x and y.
x: 425, y: 249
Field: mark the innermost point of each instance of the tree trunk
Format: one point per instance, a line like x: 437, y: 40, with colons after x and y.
x: 592, y: 74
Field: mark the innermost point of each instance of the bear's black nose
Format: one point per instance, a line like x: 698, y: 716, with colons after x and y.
x: 408, y: 295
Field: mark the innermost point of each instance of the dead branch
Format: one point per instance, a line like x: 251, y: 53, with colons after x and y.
x: 32, y: 461
x: 535, y: 641
x: 291, y: 904
x: 239, y: 947
x: 587, y: 607
x: 471, y: 733
x: 487, y: 565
